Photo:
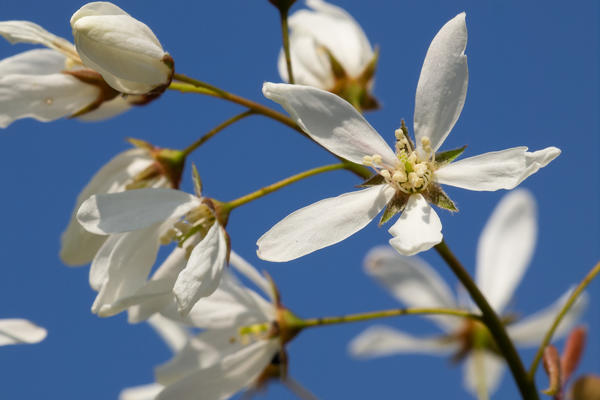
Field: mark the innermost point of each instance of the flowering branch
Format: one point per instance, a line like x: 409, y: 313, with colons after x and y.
x: 576, y: 293
x: 278, y: 185
x: 493, y: 323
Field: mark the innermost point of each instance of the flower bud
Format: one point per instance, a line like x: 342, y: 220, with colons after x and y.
x: 122, y: 49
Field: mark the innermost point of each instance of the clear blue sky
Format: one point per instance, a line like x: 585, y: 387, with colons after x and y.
x: 533, y: 82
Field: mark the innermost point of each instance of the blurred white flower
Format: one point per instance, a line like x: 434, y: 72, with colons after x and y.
x: 330, y: 51
x: 138, y: 222
x: 47, y: 84
x: 122, y: 49
x: 405, y: 181
x: 504, y: 251
x: 16, y: 331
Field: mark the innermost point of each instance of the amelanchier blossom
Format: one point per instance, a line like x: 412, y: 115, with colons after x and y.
x: 122, y: 49
x: 241, y: 347
x: 504, y: 251
x: 138, y: 222
x: 143, y: 166
x: 47, y: 84
x: 407, y: 179
x: 329, y: 50
x: 17, y: 330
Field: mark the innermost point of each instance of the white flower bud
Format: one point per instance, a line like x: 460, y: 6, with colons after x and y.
x: 122, y: 49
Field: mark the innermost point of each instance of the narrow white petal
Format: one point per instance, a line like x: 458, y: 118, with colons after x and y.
x: 33, y: 62
x: 322, y: 224
x: 483, y: 370
x: 244, y: 267
x: 202, y: 274
x: 78, y: 246
x: 220, y: 381
x: 505, y: 247
x: 413, y: 282
x: 42, y: 97
x: 134, y: 209
x: 173, y: 334
x: 418, y: 229
x: 142, y: 392
x: 107, y: 109
x: 496, y: 170
x: 531, y: 330
x: 28, y: 32
x: 442, y: 86
x: 16, y: 330
x: 379, y: 341
x: 330, y: 121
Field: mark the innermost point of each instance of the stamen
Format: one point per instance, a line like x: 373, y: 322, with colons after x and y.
x: 399, y: 176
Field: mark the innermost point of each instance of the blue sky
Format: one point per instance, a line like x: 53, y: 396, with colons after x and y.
x: 533, y: 81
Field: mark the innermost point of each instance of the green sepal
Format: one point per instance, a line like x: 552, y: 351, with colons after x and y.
x: 141, y: 144
x: 374, y: 180
x: 437, y: 196
x: 336, y: 68
x: 395, y: 206
x: 446, y: 157
x: 197, y: 181
x: 406, y: 135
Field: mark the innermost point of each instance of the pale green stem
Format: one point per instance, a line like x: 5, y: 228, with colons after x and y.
x: 278, y: 185
x: 576, y: 293
x: 216, y: 130
x: 286, y: 44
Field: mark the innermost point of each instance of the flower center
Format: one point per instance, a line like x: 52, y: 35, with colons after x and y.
x: 413, y: 170
x: 196, y: 224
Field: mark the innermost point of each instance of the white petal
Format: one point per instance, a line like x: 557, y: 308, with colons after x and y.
x: 42, y: 97
x: 505, y: 247
x: 322, y: 224
x: 16, y: 330
x: 202, y: 274
x: 244, y: 267
x: 310, y: 64
x: 33, y: 62
x: 124, y: 261
x: 172, y: 333
x: 442, y: 86
x: 28, y: 32
x: 333, y: 28
x: 142, y: 392
x: 496, y: 170
x: 330, y: 121
x: 418, y: 229
x: 483, y: 369
x: 531, y: 330
x: 107, y: 109
x: 222, y: 380
x: 133, y: 209
x: 379, y: 341
x: 122, y: 49
x: 413, y: 282
x: 78, y: 246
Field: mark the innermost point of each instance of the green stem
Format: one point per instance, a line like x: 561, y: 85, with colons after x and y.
x: 216, y: 130
x: 576, y: 293
x: 197, y: 83
x: 286, y: 43
x: 493, y: 323
x: 307, y: 323
x: 201, y: 88
x: 278, y: 185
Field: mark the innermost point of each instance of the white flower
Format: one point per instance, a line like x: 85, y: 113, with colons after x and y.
x: 223, y: 359
x: 16, y: 330
x: 138, y: 222
x: 122, y: 49
x: 78, y: 246
x: 503, y: 254
x: 407, y: 180
x: 330, y: 51
x: 47, y: 84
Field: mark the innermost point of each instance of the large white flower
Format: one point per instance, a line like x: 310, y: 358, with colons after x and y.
x: 329, y: 50
x: 47, y: 84
x: 122, y: 49
x: 16, y: 330
x: 224, y: 359
x: 138, y: 222
x: 407, y: 178
x: 503, y: 254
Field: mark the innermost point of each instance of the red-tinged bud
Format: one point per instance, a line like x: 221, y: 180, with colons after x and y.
x: 573, y: 352
x: 551, y: 362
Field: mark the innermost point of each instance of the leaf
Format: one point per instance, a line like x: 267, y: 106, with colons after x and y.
x: 436, y: 195
x: 446, y: 157
x: 551, y: 362
x: 395, y: 206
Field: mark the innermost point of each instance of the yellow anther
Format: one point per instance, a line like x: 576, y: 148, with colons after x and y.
x: 399, y: 134
x: 412, y: 158
x: 425, y: 142
x: 368, y: 160
x: 386, y: 174
x: 168, y: 236
x: 414, y: 180
x: 399, y: 176
x: 377, y: 159
x: 420, y: 169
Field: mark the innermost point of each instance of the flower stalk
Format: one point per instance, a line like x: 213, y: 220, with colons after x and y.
x: 493, y: 323
x: 576, y: 293
x: 285, y: 33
